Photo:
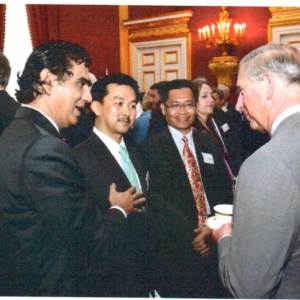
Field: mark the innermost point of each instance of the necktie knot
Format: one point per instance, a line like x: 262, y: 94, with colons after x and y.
x: 123, y: 152
x: 185, y: 139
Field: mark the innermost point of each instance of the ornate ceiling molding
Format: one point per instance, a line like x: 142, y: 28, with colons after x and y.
x: 284, y: 16
x: 164, y: 26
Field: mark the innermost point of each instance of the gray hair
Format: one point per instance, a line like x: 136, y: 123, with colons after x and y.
x: 225, y: 89
x: 277, y: 58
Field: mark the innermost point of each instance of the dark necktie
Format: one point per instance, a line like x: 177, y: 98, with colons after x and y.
x: 193, y: 173
x: 62, y: 138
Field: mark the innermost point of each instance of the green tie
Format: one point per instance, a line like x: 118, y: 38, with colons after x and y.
x: 128, y: 168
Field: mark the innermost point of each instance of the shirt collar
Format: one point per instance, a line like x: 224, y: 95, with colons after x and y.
x: 177, y: 135
x: 108, y: 141
x: 290, y: 111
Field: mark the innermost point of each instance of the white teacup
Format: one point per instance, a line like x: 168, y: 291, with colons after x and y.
x: 223, y: 213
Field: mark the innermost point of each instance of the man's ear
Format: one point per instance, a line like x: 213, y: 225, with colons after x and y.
x: 162, y: 107
x: 269, y: 80
x: 95, y: 107
x: 47, y: 77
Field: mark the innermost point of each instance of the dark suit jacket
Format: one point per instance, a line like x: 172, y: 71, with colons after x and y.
x: 157, y: 122
x: 8, y: 108
x: 126, y: 271
x: 231, y: 135
x: 178, y: 271
x: 54, y: 231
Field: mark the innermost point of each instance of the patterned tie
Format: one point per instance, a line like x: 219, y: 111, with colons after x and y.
x: 128, y: 167
x: 193, y: 173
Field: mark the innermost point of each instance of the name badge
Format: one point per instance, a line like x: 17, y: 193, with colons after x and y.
x: 225, y: 127
x: 208, y: 158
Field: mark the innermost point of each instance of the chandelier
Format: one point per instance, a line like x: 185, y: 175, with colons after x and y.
x: 209, y: 38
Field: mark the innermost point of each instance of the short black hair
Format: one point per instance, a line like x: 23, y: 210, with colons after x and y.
x: 5, y: 70
x: 219, y: 92
x: 161, y: 88
x: 99, y: 88
x: 57, y: 57
x: 180, y: 84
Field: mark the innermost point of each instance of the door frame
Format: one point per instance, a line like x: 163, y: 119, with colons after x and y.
x: 160, y: 27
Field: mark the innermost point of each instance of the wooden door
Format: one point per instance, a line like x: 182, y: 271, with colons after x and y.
x: 158, y: 60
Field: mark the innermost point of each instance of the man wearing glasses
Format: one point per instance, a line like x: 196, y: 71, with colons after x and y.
x: 187, y: 177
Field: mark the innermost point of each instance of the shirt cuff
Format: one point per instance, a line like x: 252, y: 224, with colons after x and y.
x: 223, y: 237
x: 121, y: 209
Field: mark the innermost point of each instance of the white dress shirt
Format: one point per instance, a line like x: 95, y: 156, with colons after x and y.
x: 114, y: 148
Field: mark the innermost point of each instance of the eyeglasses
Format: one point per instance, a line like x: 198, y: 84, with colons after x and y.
x: 176, y: 106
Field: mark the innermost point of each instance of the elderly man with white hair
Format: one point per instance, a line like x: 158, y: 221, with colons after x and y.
x: 259, y: 253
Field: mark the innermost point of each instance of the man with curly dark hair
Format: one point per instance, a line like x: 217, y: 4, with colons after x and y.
x: 55, y: 231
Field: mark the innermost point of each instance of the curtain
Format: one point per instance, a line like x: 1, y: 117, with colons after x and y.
x: 2, y: 26
x: 43, y: 23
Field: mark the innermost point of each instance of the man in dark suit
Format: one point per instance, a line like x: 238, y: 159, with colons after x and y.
x: 53, y: 231
x: 157, y: 121
x: 182, y: 266
x: 114, y: 105
x: 8, y: 105
x: 230, y: 134
x: 226, y: 92
x: 232, y: 114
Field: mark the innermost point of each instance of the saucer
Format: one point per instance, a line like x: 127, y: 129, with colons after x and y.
x: 212, y: 223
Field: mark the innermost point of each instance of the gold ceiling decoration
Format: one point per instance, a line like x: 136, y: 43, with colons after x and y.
x: 283, y: 16
x: 164, y: 26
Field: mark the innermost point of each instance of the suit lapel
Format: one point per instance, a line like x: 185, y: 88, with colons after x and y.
x: 112, y: 167
x: 107, y: 161
x: 199, y: 149
x: 38, y: 119
x: 173, y: 156
x: 139, y: 168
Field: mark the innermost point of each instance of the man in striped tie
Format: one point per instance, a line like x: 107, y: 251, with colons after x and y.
x: 187, y: 178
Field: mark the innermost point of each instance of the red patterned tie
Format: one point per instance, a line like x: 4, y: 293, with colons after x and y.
x: 64, y: 140
x: 193, y: 173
